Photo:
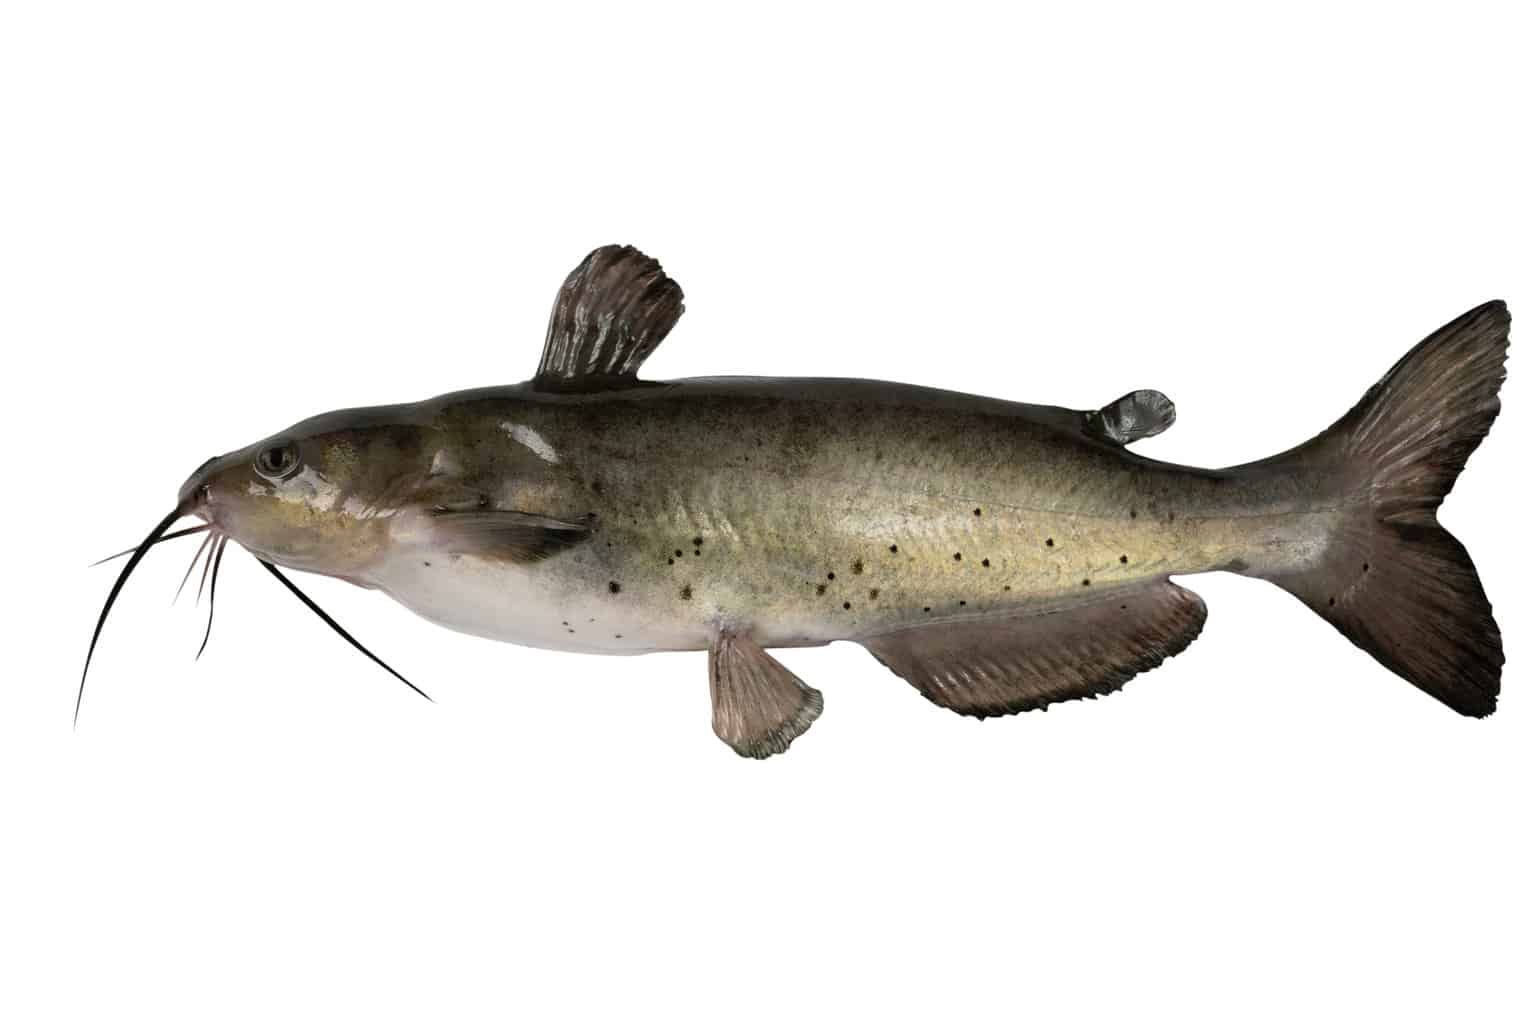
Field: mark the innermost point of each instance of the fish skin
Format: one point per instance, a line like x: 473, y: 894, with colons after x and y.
x: 785, y: 497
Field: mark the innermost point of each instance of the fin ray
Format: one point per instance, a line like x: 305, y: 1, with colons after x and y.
x: 609, y: 316
x: 1027, y: 661
x: 511, y: 536
x: 760, y: 706
x: 1392, y: 579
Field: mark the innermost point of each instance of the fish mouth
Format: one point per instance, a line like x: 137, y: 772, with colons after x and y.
x: 193, y: 501
x: 193, y: 495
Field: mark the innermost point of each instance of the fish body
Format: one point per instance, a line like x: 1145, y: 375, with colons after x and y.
x: 808, y: 511
x: 997, y: 556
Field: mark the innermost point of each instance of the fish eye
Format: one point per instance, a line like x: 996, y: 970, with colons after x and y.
x: 278, y: 462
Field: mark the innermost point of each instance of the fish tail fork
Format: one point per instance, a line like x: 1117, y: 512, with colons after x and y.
x: 1389, y: 576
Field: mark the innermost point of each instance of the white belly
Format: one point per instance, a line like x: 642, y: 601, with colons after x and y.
x: 527, y: 606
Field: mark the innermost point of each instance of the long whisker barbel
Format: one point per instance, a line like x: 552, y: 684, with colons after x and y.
x: 217, y: 558
x: 203, y: 581
x: 159, y: 540
x: 348, y: 637
x: 211, y: 554
x: 195, y: 557
x: 117, y: 588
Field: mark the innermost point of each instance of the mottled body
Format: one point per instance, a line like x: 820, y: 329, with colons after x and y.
x: 808, y: 511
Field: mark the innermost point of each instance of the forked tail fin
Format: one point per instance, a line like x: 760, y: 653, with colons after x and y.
x: 1392, y: 579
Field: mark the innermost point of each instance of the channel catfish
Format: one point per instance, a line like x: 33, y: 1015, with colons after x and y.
x: 997, y: 556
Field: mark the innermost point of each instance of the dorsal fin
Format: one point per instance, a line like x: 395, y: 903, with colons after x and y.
x: 1132, y: 417
x: 611, y: 313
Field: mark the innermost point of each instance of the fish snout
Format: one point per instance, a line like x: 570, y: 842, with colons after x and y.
x: 194, y: 496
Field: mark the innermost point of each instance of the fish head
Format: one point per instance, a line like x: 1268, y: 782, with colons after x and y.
x: 319, y: 496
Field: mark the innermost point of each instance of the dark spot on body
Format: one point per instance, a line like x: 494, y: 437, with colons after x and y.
x: 957, y: 556
x: 1330, y: 602
x: 698, y: 542
x: 597, y: 487
x: 858, y: 568
x: 427, y: 564
x: 1050, y: 542
x: 1007, y: 587
x: 618, y: 636
x: 874, y: 593
x: 1133, y: 513
x: 976, y: 512
x: 986, y: 563
x: 1364, y: 567
x: 1123, y: 559
x: 1086, y: 582
x: 893, y: 549
x: 686, y: 593
x: 678, y: 553
x: 613, y: 587
x: 847, y: 605
x: 564, y: 623
x: 1122, y: 607
x: 962, y: 604
x: 671, y: 561
x: 821, y: 588
x: 1170, y: 517
x: 928, y: 609
x: 831, y: 575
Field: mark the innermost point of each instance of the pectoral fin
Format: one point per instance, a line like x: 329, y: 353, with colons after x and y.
x: 1132, y: 417
x: 1021, y: 662
x: 511, y: 536
x: 759, y: 705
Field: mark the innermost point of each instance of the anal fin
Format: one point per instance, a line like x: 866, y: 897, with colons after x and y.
x: 759, y: 705
x: 1024, y: 661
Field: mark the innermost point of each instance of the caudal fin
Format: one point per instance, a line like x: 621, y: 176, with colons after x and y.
x: 1392, y: 579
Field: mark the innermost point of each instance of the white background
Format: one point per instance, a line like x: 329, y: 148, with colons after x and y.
x: 218, y: 220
